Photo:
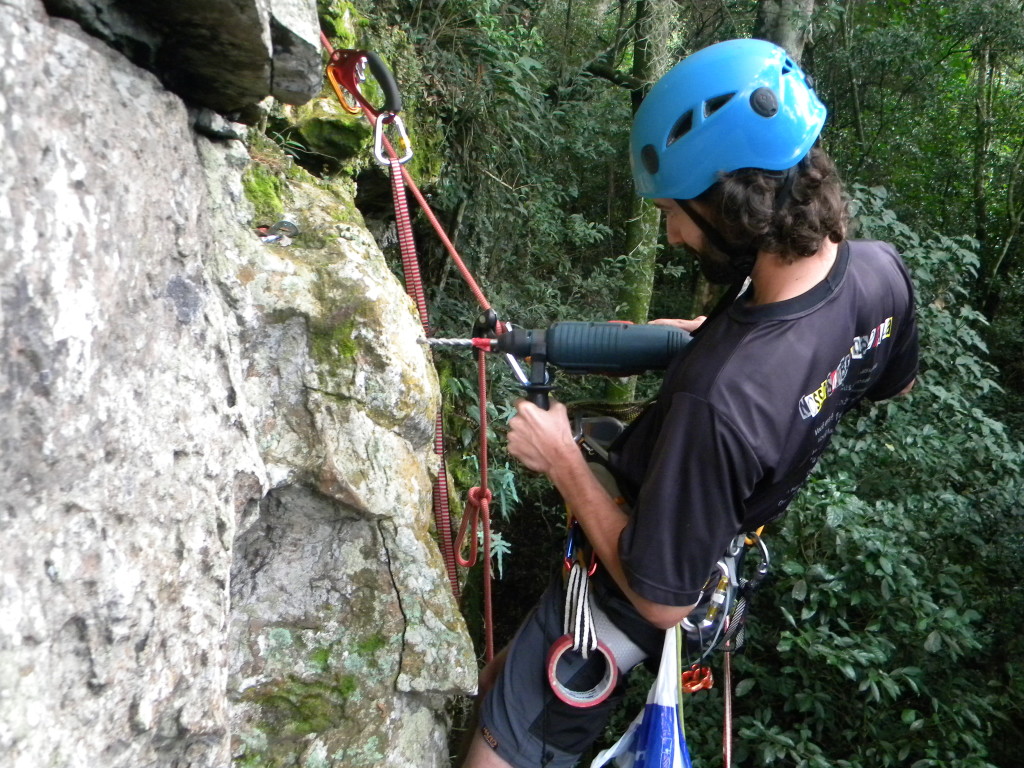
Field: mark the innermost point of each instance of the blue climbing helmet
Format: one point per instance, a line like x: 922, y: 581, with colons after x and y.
x: 737, y: 104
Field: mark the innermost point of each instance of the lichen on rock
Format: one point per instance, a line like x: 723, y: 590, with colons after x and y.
x: 216, y: 450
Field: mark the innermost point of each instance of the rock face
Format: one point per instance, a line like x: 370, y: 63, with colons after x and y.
x: 215, y: 453
x: 223, y: 55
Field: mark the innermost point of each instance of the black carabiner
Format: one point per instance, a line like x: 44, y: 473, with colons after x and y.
x: 392, y: 97
x: 344, y: 68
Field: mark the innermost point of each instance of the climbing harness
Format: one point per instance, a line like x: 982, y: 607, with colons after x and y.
x: 346, y: 71
x: 718, y: 623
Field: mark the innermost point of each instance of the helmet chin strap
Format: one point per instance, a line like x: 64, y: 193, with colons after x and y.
x: 742, y: 260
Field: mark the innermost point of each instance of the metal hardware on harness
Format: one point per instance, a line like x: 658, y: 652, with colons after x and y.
x: 766, y: 560
x: 719, y: 619
x: 571, y: 546
x: 719, y: 598
x: 698, y: 678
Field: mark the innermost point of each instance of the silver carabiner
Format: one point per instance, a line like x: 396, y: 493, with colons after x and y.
x: 766, y: 560
x: 378, y: 138
x: 718, y: 599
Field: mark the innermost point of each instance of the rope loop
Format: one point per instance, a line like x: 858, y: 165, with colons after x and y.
x: 480, y: 496
x: 478, y: 504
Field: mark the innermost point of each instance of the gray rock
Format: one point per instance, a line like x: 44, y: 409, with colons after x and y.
x: 263, y: 47
x: 214, y: 452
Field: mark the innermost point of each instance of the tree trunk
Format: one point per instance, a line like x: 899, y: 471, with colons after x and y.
x: 982, y: 141
x: 650, y: 54
x: 786, y: 23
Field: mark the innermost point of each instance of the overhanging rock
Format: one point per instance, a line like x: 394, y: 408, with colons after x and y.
x: 264, y: 47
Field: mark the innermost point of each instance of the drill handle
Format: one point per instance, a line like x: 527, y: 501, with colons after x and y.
x: 539, y: 397
x: 539, y: 385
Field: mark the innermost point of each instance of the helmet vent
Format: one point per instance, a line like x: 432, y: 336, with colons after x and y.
x: 649, y: 158
x: 713, y: 105
x: 788, y: 66
x: 681, y: 128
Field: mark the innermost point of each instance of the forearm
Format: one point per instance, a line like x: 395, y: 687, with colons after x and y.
x: 603, y: 522
x: 542, y: 441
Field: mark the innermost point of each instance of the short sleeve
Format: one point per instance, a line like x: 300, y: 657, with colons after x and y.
x: 902, y: 363
x: 690, y: 504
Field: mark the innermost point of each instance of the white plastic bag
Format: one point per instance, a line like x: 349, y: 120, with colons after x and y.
x: 655, y: 738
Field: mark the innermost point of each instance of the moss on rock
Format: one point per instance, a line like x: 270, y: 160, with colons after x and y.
x: 264, y: 189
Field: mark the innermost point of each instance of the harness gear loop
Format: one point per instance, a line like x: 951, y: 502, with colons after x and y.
x: 578, y: 617
x: 580, y: 638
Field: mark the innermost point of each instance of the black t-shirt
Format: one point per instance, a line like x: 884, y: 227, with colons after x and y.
x: 747, y: 409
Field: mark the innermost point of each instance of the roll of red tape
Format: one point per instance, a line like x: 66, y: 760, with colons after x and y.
x: 588, y: 698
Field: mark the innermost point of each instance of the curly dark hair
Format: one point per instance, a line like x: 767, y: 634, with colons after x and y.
x: 760, y: 210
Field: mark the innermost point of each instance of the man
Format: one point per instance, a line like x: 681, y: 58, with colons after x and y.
x: 725, y: 144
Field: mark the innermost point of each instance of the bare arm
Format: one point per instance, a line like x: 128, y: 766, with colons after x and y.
x: 542, y: 440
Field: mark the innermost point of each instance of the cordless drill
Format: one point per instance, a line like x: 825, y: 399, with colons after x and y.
x: 616, y: 349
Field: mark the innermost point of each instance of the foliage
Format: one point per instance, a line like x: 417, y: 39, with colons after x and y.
x: 890, y: 636
x: 926, y: 98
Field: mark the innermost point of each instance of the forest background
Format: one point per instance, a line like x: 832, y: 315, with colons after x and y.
x: 890, y: 632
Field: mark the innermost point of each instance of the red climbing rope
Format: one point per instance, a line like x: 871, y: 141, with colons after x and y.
x: 477, y: 515
x: 341, y: 74
x: 406, y: 244
x: 727, y: 695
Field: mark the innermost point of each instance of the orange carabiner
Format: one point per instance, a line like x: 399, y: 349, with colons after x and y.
x: 698, y: 678
x: 347, y: 69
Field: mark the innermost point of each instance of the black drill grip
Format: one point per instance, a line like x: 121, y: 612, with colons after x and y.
x: 617, y: 349
x: 539, y: 397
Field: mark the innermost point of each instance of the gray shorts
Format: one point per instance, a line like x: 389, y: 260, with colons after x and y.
x: 521, y: 718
